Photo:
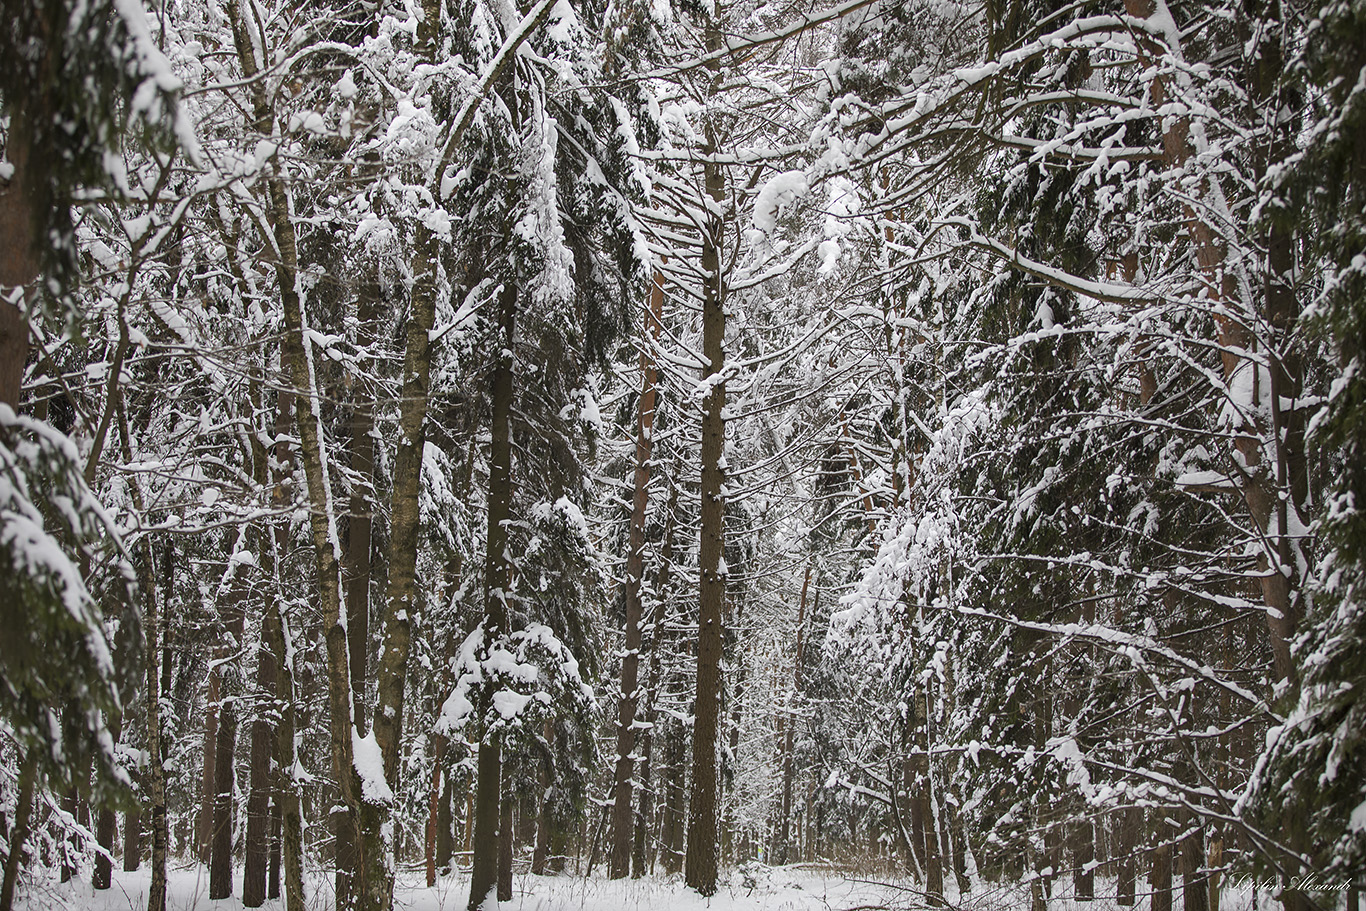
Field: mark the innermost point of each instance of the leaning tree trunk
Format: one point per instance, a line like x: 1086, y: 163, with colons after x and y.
x: 619, y: 862
x: 700, y: 868
x: 497, y: 576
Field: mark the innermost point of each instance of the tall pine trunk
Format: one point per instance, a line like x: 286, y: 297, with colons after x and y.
x: 700, y: 868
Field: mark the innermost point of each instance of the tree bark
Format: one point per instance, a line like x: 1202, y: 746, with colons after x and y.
x: 208, y: 779
x: 132, y: 839
x: 497, y: 577
x: 23, y: 812
x: 262, y: 783
x: 156, y: 895
x: 619, y: 862
x: 22, y: 213
x: 505, y: 842
x: 700, y: 867
x: 1160, y: 879
x: 220, y: 857
x: 787, y: 724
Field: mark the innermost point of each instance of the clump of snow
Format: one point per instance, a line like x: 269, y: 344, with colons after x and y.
x: 776, y: 196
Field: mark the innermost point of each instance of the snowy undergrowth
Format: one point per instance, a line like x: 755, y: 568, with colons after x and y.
x: 795, y: 888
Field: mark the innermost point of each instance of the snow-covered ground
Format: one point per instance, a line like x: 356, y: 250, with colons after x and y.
x: 762, y: 889
x: 786, y: 889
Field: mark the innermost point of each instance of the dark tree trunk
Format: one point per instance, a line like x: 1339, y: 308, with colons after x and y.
x: 23, y: 811
x: 106, y: 831
x: 132, y: 840
x: 1194, y: 882
x: 505, y: 843
x: 1125, y: 835
x: 700, y: 867
x: 156, y: 895
x: 1083, y: 853
x: 487, y: 815
x: 220, y: 857
x: 208, y: 778
x: 258, y: 799
x: 273, y: 878
x: 1160, y: 879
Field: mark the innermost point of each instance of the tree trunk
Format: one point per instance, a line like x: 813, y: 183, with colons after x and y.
x: 258, y: 799
x: 287, y: 818
x: 273, y: 877
x: 23, y: 811
x: 1194, y: 883
x: 484, y: 872
x: 700, y: 868
x: 1160, y: 879
x: 208, y: 780
x: 1083, y: 853
x: 106, y: 831
x: 619, y: 862
x: 787, y: 724
x: 156, y: 895
x: 22, y: 214
x: 225, y: 778
x: 505, y: 841
x: 132, y: 839
x: 220, y: 857
x: 1125, y: 886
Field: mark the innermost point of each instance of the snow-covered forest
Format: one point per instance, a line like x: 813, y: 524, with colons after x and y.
x: 474, y: 452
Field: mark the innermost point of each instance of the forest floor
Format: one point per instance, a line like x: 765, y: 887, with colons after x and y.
x: 795, y: 888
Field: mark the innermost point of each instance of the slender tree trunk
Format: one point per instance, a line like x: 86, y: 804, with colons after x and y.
x: 619, y: 863
x: 262, y: 781
x: 505, y: 842
x: 156, y: 895
x: 484, y: 874
x: 106, y: 830
x: 276, y: 822
x: 208, y: 777
x: 787, y: 722
x: 23, y: 811
x: 225, y: 778
x: 701, y: 864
